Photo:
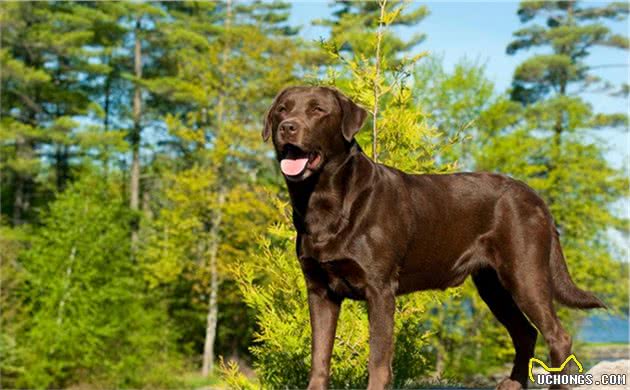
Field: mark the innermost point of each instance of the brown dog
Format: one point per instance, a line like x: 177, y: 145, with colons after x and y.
x: 370, y: 232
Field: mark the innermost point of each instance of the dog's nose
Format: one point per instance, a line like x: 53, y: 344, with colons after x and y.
x: 288, y: 127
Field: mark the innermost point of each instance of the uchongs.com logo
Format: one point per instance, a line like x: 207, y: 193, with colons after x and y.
x: 553, y: 375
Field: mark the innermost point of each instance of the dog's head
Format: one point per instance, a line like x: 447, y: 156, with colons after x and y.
x: 309, y: 127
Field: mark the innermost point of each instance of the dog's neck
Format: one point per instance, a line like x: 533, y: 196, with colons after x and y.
x: 329, y: 186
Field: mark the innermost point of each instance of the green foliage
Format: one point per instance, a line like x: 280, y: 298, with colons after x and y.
x: 234, y: 378
x: 12, y: 316
x: 373, y: 66
x: 210, y: 203
x: 354, y: 23
x: 375, y: 73
x: 571, y: 31
x: 89, y: 317
x: 52, y: 53
x: 453, y: 101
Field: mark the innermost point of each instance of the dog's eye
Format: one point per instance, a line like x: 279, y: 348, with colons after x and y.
x: 318, y: 109
x: 281, y: 109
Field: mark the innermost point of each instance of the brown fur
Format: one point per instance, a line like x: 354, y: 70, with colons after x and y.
x: 370, y: 232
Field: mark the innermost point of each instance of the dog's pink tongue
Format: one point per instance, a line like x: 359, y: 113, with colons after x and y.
x: 293, y: 167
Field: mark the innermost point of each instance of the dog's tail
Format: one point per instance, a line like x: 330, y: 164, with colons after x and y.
x: 565, y: 291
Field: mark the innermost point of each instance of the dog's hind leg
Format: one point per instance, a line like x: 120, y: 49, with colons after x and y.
x: 505, y: 310
x: 528, y: 278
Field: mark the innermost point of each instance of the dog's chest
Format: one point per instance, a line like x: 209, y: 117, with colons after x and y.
x: 327, y: 238
x: 328, y: 261
x: 346, y: 278
x: 325, y: 246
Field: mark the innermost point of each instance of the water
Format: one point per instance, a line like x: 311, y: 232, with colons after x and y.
x: 604, y: 328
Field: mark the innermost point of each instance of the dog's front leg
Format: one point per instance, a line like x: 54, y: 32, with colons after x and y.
x: 324, y: 312
x: 381, y: 306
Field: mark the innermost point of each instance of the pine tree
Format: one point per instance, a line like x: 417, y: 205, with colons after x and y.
x: 236, y: 56
x: 353, y: 24
x: 460, y: 103
x: 89, y: 317
x: 54, y: 57
x: 363, y: 41
x: 42, y: 62
x: 551, y: 147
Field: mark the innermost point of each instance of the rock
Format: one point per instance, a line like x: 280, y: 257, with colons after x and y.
x: 610, y: 367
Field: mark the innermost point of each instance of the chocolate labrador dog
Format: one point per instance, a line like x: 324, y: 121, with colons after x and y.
x: 371, y: 232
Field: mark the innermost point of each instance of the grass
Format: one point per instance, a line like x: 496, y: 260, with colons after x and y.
x: 194, y: 380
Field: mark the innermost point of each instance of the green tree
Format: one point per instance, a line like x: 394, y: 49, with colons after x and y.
x: 89, y: 317
x: 12, y: 317
x: 460, y: 104
x: 363, y: 43
x: 235, y: 56
x: 53, y: 59
x: 354, y: 23
x: 43, y: 62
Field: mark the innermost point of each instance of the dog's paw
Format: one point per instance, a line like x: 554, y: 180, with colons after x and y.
x: 509, y: 384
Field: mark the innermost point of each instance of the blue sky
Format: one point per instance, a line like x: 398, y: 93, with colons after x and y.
x: 481, y: 31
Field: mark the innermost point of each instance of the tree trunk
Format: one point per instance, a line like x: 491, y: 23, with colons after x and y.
x: 134, y: 181
x: 146, y: 202
x: 213, y: 310
x: 66, y: 287
x: 377, y: 78
x: 558, y: 127
x: 21, y: 196
x: 24, y: 147
x: 441, y: 353
x: 62, y: 166
x: 106, y: 108
x: 18, y: 200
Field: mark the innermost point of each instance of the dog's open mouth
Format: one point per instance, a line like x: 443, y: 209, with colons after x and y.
x: 295, y: 160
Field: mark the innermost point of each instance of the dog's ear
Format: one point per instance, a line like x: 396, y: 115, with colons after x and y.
x: 268, y: 121
x: 353, y: 116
